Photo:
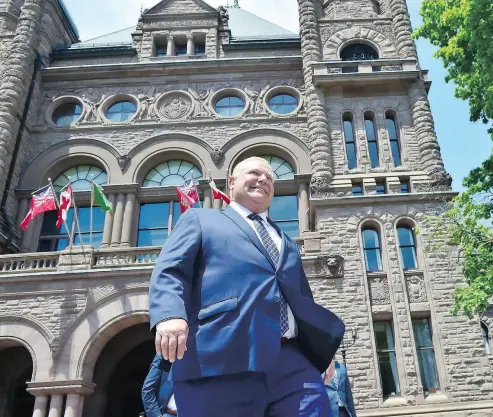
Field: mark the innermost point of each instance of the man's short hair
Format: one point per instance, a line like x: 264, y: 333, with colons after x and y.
x: 241, y: 165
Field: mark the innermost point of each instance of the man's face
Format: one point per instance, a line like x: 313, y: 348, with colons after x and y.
x: 254, y: 186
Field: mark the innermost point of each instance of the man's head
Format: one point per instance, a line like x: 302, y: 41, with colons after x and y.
x: 252, y: 184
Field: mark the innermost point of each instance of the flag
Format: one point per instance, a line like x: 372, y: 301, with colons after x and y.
x: 185, y: 200
x: 40, y: 203
x: 216, y: 193
x: 65, y: 204
x: 190, y: 190
x: 99, y: 199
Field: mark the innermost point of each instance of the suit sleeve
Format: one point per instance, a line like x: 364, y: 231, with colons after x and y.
x: 305, y: 286
x: 349, y: 397
x: 151, y: 387
x: 172, y: 278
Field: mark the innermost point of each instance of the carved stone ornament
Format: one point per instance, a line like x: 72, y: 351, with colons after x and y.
x: 416, y: 289
x: 224, y: 16
x: 440, y: 180
x: 379, y: 290
x: 123, y: 161
x: 217, y: 156
x: 331, y: 266
x: 175, y: 105
x: 320, y: 186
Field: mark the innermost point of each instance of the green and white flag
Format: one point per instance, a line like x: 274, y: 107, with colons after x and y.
x: 99, y: 199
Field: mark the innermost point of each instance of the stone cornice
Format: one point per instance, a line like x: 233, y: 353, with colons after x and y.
x: 74, y: 386
x: 172, y: 67
x: 121, y: 188
x: 384, y: 199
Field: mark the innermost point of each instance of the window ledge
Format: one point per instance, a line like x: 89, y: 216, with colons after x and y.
x: 394, y: 401
x: 437, y: 398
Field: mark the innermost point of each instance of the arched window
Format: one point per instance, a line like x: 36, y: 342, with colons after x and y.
x: 393, y: 133
x: 358, y: 52
x: 229, y: 106
x: 66, y: 114
x: 349, y: 138
x: 407, y: 246
x: 81, y: 177
x: 282, y: 169
x: 121, y: 111
x: 372, y: 249
x: 371, y: 137
x: 172, y: 172
x: 486, y: 338
x: 283, y: 103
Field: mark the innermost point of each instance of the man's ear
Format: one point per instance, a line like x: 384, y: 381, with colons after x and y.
x: 231, y: 184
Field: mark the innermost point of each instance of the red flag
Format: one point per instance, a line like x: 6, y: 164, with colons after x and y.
x: 185, y: 200
x: 216, y: 193
x: 65, y: 204
x: 191, y: 190
x: 40, y: 202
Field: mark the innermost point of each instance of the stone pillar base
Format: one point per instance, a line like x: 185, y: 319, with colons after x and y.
x: 76, y: 258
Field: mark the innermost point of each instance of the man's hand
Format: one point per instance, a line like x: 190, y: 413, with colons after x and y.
x: 171, y: 339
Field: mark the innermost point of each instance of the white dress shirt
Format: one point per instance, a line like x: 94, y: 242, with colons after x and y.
x: 171, y: 403
x: 244, y: 212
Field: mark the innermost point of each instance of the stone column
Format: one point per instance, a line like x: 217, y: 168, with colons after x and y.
x: 303, y: 206
x: 170, y: 50
x: 15, y: 82
x: 208, y: 198
x: 190, y: 45
x: 318, y: 127
x: 56, y: 405
x: 40, y: 404
x: 116, y: 232
x: 72, y: 405
x: 128, y: 221
x: 108, y: 224
x: 403, y: 29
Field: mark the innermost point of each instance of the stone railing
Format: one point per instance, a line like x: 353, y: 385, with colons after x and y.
x: 125, y: 257
x: 330, y: 71
x: 29, y: 262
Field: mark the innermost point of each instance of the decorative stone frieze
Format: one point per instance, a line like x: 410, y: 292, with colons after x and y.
x: 416, y: 290
x: 379, y: 290
x: 175, y: 105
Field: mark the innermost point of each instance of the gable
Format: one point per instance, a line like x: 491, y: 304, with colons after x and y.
x: 181, y: 7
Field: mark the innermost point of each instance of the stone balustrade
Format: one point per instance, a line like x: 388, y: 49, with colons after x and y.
x: 29, y: 262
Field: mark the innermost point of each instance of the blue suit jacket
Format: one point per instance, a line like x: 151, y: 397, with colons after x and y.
x: 158, y: 388
x: 342, y: 391
x: 215, y: 273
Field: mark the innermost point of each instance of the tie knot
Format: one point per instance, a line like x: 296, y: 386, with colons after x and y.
x: 254, y: 217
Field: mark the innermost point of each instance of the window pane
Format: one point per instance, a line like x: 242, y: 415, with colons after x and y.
x: 406, y: 237
x: 351, y: 155
x: 373, y: 150
x: 154, y: 215
x: 396, y: 152
x: 358, y: 52
x: 152, y: 237
x: 380, y: 188
x: 98, y: 217
x: 409, y: 258
x: 176, y: 212
x: 61, y: 244
x: 292, y: 229
x: 422, y: 333
x: 404, y: 188
x: 283, y: 103
x: 348, y: 131
x: 384, y: 336
x: 357, y: 189
x: 284, y: 208
x: 391, y: 128
x: 373, y: 260
x: 49, y: 224
x: 427, y: 368
x: 371, y: 239
x: 388, y: 373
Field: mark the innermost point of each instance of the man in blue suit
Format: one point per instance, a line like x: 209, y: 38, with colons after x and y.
x: 157, y: 391
x: 230, y: 302
x: 339, y: 391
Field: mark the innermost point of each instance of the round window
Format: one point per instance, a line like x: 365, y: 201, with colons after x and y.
x: 283, y: 103
x: 66, y: 114
x: 121, y: 111
x: 229, y: 106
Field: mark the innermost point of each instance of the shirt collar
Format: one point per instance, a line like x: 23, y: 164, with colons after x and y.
x: 244, y: 212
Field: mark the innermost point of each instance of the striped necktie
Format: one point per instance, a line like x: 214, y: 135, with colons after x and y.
x: 273, y: 252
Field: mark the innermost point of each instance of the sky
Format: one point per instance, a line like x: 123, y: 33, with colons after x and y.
x: 464, y: 144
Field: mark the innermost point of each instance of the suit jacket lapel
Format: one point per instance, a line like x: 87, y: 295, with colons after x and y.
x: 243, y: 225
x: 284, y: 243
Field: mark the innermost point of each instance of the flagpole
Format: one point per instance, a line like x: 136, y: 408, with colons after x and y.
x: 76, y: 216
x: 90, y: 214
x: 57, y: 203
x: 42, y: 188
x: 198, y: 195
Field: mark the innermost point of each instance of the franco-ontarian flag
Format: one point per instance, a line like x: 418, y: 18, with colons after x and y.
x: 99, y: 199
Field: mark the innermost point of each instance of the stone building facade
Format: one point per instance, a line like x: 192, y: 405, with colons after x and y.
x: 342, y: 114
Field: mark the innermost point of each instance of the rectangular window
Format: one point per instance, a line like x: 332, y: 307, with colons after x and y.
x: 161, y: 50
x: 284, y: 212
x: 54, y: 239
x: 180, y: 49
x: 405, y: 189
x: 394, y: 139
x: 381, y: 187
x: 199, y: 49
x: 357, y: 188
x: 426, y: 356
x: 371, y: 136
x: 389, y: 377
x: 350, y: 142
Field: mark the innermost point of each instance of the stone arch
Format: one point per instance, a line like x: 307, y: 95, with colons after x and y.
x: 55, y: 159
x: 170, y: 146
x: 344, y: 37
x: 272, y: 141
x: 22, y: 331
x: 87, y: 337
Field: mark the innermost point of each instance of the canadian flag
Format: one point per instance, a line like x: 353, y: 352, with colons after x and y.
x: 65, y: 204
x: 216, y: 193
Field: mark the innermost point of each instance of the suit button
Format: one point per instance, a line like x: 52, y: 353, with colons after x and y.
x: 277, y: 299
